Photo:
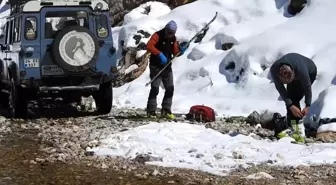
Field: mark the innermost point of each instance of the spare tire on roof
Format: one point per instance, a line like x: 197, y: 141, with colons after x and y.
x: 75, y: 49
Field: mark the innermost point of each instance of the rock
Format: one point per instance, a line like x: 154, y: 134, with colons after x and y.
x: 230, y: 66
x: 218, y: 156
x: 142, y: 46
x: 303, y: 167
x: 296, y: 6
x: 155, y: 172
x: 23, y: 126
x: 299, y: 174
x: 328, y: 136
x: 137, y: 39
x: 254, y: 136
x: 144, y: 33
x: 237, y: 155
x: 199, y: 155
x: 32, y: 162
x: 192, y: 150
x: 39, y: 160
x: 114, y: 121
x: 6, y: 178
x: 2, y: 119
x: 171, y: 182
x: 143, y: 158
x: 227, y: 46
x: 309, y: 140
x: 104, y: 166
x: 129, y: 59
x: 138, y: 175
x: 260, y: 175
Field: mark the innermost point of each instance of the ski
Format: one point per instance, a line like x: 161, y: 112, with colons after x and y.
x: 204, y: 29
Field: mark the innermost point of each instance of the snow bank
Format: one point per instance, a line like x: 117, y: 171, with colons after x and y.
x: 241, y: 82
x: 327, y: 128
x: 184, y: 145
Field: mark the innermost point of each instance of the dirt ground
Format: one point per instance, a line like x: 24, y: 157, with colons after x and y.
x: 22, y: 163
x: 16, y: 168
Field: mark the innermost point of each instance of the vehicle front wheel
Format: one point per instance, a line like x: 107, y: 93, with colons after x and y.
x: 104, y: 98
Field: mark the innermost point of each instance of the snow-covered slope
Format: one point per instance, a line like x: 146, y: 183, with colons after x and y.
x: 263, y: 31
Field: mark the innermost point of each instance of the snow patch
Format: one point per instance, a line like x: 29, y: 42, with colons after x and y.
x: 152, y: 9
x: 185, y: 145
x: 330, y: 127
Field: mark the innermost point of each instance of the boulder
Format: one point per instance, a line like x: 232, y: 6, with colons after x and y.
x: 265, y: 120
x: 296, y: 6
x: 133, y: 66
x: 329, y: 136
x: 326, y: 132
x: 227, y: 46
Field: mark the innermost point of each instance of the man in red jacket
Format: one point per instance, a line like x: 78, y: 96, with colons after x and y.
x: 163, y: 47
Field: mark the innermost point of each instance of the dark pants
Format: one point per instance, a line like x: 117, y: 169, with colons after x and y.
x: 166, y: 78
x: 296, y: 93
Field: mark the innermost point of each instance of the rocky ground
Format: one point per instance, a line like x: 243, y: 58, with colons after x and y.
x: 53, y: 151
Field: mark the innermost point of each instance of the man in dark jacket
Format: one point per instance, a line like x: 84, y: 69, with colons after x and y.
x: 163, y: 47
x: 299, y: 73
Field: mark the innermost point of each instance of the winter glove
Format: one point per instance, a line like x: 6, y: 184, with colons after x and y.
x: 182, y: 50
x: 163, y: 59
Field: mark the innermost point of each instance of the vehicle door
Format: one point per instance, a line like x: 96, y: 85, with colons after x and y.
x: 8, y: 60
x: 30, y: 56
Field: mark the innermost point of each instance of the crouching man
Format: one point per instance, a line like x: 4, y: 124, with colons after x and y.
x: 299, y: 73
x: 163, y: 47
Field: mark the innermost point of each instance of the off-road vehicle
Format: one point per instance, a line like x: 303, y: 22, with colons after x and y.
x: 60, y: 49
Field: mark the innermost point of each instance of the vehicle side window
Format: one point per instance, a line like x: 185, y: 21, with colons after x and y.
x: 17, y: 29
x: 3, y: 32
x: 30, y: 28
x: 9, y: 33
x: 101, y: 26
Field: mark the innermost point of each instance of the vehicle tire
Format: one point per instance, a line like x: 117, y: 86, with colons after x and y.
x: 21, y: 104
x: 75, y: 49
x: 104, y: 98
x: 17, y: 105
x: 12, y: 99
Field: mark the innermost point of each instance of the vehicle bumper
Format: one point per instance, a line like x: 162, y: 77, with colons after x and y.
x: 73, y: 83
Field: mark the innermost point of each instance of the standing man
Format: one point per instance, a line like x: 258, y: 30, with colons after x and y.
x: 163, y: 47
x: 299, y: 73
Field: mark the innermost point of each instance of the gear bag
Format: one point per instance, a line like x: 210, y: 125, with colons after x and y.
x: 201, y: 113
